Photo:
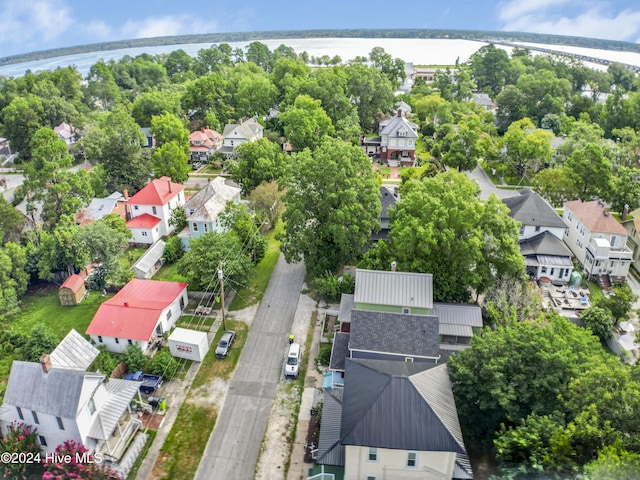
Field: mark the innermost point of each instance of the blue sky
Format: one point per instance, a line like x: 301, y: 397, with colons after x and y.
x: 29, y: 25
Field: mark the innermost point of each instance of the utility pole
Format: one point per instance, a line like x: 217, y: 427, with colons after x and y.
x: 221, y: 278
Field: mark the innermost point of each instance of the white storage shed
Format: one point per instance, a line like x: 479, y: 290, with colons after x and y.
x: 189, y: 344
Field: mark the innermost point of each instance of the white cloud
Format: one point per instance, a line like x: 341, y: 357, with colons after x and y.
x: 166, y: 25
x: 545, y: 16
x: 33, y: 21
x: 98, y: 29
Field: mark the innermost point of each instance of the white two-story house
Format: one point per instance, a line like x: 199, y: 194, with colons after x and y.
x: 205, y: 207
x: 541, y: 234
x: 235, y: 134
x: 140, y: 312
x: 598, y: 240
x: 149, y: 210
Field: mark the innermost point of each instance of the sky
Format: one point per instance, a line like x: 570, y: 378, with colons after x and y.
x: 32, y: 25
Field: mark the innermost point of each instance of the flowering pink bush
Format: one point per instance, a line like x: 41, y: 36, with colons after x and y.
x: 21, y: 439
x: 72, y: 460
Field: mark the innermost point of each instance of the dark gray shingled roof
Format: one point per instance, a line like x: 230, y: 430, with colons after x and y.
x: 56, y: 393
x: 400, y: 410
x: 404, y: 334
x: 387, y: 199
x: 403, y: 289
x: 529, y: 208
x: 545, y: 243
x: 339, y: 351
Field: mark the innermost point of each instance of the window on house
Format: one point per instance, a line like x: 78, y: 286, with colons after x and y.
x: 169, y: 314
x: 406, y: 310
x: 544, y: 269
x: 117, y: 340
x: 370, y: 477
x: 144, y: 234
x: 373, y: 454
x: 130, y: 342
x: 538, y: 228
x: 60, y: 424
x: 597, y: 263
x: 412, y: 459
x: 157, y: 229
x: 195, y: 227
x: 614, y: 240
x: 408, y: 359
x: 135, y: 207
x: 206, y: 227
x: 20, y: 413
x: 99, y: 338
x: 43, y: 441
x: 92, y: 406
x: 552, y: 271
x: 566, y: 232
x: 569, y: 217
x: 154, y: 210
x: 35, y: 417
x: 521, y: 230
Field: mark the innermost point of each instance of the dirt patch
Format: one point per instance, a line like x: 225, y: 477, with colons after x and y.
x: 246, y: 315
x: 158, y: 468
x: 275, y: 446
x: 211, y: 393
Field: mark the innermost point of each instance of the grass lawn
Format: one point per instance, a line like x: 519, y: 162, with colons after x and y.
x: 262, y: 274
x: 384, y: 172
x: 188, y: 438
x: 195, y: 322
x: 130, y: 256
x: 169, y: 273
x: 43, y: 306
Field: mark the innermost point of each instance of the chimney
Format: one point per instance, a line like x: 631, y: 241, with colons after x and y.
x: 126, y: 303
x: 169, y: 183
x: 202, y: 129
x: 399, y: 112
x: 125, y: 194
x: 45, y: 362
x: 393, y: 266
x: 625, y: 212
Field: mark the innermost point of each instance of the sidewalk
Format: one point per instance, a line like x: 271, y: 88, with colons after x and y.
x: 298, y: 469
x: 175, y: 399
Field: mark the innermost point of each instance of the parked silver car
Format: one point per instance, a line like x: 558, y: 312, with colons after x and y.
x: 225, y: 343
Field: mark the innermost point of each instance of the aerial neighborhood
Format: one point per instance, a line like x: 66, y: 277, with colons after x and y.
x: 257, y: 263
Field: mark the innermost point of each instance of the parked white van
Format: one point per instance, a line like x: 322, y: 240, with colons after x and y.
x: 292, y: 365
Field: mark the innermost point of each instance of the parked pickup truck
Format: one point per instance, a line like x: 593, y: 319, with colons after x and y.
x: 148, y: 383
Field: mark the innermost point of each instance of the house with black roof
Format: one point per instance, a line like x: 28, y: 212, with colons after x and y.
x: 392, y: 420
x: 541, y: 237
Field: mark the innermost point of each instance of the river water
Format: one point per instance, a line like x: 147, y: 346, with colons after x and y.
x: 416, y: 50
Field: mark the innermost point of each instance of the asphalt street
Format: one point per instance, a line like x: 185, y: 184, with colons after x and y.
x: 234, y: 445
x: 486, y: 185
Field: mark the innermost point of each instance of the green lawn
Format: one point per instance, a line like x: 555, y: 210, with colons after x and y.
x: 262, y: 274
x: 44, y: 306
x: 195, y: 322
x: 186, y: 442
x: 130, y: 256
x: 169, y: 273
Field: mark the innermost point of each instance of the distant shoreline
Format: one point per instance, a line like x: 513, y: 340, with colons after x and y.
x: 486, y: 36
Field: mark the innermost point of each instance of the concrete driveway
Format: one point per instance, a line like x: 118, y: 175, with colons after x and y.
x: 486, y: 185
x: 234, y: 445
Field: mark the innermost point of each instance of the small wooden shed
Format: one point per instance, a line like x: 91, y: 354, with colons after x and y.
x: 72, y: 291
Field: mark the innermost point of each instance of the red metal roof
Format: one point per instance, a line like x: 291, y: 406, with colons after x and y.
x: 146, y: 220
x: 157, y: 192
x: 73, y: 282
x: 134, y: 311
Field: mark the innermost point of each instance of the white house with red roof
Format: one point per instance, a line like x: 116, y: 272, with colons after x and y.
x: 203, y: 143
x: 597, y: 239
x: 150, y: 209
x: 137, y: 314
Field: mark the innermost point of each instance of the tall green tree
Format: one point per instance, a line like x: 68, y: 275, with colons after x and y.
x: 13, y: 278
x: 591, y: 171
x: 527, y: 148
x: 306, y: 123
x: 441, y: 227
x: 555, y: 185
x: 490, y: 69
x: 11, y: 222
x: 267, y: 201
x: 115, y: 142
x: 259, y: 161
x: 21, y: 119
x: 207, y: 252
x: 333, y: 205
x: 461, y: 147
x: 370, y: 91
x: 598, y: 320
x: 625, y: 189
x: 205, y: 95
x: 171, y: 160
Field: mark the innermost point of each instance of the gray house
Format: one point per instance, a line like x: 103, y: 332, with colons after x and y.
x: 392, y: 420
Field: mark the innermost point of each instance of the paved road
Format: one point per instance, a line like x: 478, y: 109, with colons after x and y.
x: 486, y: 185
x: 234, y: 445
